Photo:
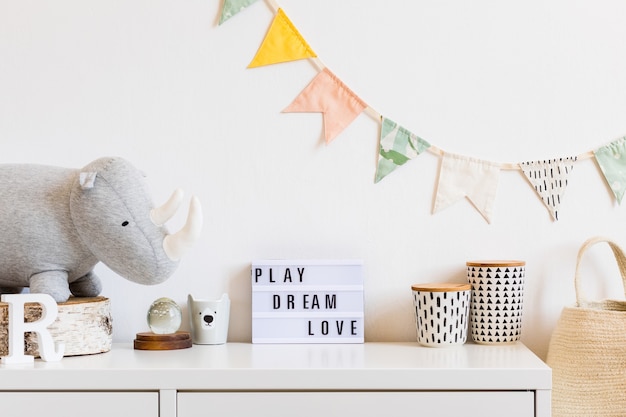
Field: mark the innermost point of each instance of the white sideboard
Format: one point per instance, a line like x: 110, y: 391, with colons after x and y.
x: 241, y: 379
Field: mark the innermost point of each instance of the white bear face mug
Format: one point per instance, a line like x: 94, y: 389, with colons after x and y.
x: 209, y: 320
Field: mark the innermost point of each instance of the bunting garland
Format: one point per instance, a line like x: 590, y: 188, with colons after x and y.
x: 460, y: 176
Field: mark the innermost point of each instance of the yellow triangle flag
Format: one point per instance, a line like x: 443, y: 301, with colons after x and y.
x: 283, y: 43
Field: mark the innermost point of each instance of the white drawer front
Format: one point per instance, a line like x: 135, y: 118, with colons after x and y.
x: 362, y: 404
x: 79, y: 404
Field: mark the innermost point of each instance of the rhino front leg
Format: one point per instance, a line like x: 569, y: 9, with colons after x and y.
x: 86, y: 286
x: 53, y: 283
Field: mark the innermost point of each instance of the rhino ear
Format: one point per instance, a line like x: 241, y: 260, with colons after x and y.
x: 87, y: 179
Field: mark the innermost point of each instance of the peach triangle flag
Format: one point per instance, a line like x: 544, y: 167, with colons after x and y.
x: 232, y: 7
x: 283, y: 43
x: 326, y: 94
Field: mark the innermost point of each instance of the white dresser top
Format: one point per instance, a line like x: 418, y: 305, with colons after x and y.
x: 245, y: 366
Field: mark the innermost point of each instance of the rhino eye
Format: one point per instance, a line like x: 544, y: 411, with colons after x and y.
x: 125, y: 223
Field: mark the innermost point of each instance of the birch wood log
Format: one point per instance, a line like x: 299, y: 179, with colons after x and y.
x: 83, y: 324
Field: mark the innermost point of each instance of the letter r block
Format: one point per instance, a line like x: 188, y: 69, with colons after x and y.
x: 17, y: 328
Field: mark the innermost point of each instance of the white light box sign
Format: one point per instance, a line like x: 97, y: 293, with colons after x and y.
x: 307, y: 301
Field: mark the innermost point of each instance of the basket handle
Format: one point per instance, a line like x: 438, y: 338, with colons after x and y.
x: 620, y: 258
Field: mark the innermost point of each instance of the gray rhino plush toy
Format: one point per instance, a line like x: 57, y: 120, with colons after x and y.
x: 56, y: 224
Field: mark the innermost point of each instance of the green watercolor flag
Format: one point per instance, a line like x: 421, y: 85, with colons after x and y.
x: 397, y: 147
x: 232, y: 7
x: 612, y: 161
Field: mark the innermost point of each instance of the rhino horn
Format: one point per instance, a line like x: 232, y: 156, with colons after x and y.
x: 160, y: 215
x: 177, y: 244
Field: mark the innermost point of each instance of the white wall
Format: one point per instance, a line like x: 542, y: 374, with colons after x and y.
x: 158, y: 82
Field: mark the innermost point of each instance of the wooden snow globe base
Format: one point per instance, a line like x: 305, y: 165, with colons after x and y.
x: 83, y: 324
x: 153, y: 341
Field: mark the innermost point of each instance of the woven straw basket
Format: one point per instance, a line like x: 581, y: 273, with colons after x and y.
x: 587, y: 351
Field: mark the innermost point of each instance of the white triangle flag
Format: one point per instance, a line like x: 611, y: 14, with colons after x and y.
x: 461, y: 176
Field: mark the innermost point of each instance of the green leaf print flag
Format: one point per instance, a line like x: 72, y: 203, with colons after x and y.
x: 612, y: 161
x: 232, y: 7
x: 397, y: 146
